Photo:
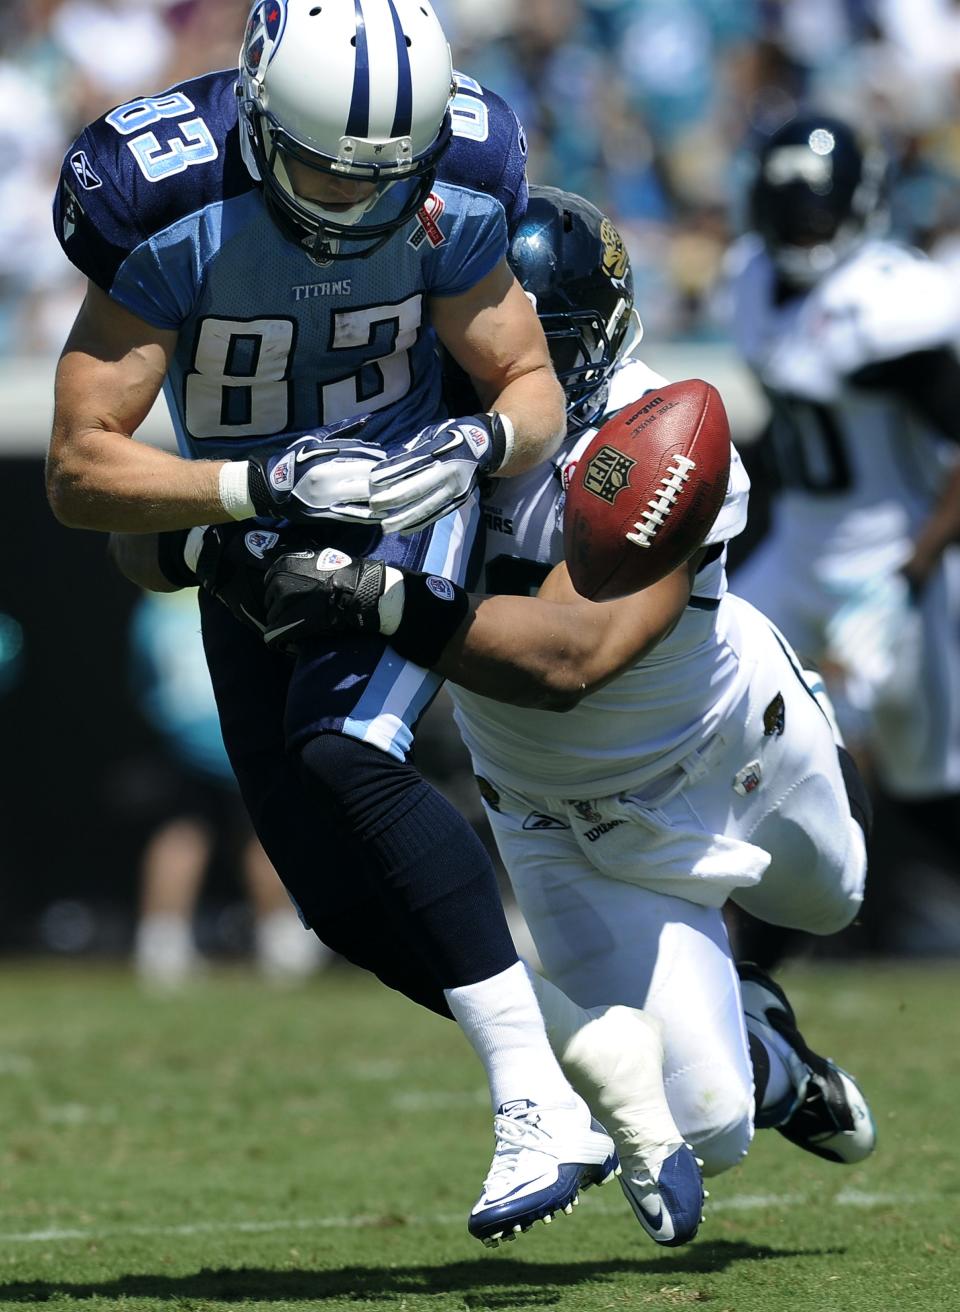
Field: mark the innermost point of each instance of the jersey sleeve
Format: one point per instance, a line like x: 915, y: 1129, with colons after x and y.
x: 141, y: 169
x: 732, y: 518
x: 160, y: 280
x: 488, y: 152
x: 94, y: 221
x: 476, y: 244
x: 902, y: 303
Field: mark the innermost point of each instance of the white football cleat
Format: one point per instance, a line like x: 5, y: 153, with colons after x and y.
x: 543, y: 1158
x: 615, y: 1062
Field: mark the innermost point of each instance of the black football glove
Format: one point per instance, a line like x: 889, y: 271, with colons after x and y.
x: 320, y: 592
x: 233, y: 562
x: 324, y: 592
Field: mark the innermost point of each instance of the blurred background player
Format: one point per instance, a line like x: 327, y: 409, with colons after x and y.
x: 853, y: 336
x: 203, y: 813
x: 691, y: 762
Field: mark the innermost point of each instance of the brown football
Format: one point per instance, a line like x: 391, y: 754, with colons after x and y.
x: 645, y: 492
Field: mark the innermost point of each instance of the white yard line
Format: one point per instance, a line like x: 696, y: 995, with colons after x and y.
x: 737, y: 1203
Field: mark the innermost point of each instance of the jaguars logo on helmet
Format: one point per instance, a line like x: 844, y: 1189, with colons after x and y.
x: 616, y: 261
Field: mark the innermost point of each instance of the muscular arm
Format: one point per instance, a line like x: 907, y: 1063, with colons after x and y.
x: 109, y: 375
x: 553, y: 650
x: 493, y: 332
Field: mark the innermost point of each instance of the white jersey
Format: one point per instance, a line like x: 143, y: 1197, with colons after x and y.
x: 859, y: 474
x: 651, y: 716
x: 859, y: 471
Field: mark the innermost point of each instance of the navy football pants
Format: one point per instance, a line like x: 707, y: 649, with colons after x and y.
x: 435, y: 922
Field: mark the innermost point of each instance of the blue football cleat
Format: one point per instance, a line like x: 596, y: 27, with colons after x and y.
x: 668, y: 1200
x: 825, y: 1112
x: 543, y: 1158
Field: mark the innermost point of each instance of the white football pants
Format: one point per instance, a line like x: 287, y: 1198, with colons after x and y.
x: 773, y: 787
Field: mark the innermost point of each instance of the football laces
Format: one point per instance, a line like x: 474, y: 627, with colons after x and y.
x: 662, y: 502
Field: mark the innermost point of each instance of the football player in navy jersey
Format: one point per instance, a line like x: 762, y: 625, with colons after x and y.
x: 273, y: 249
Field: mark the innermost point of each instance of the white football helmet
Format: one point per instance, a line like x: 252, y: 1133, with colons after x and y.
x: 353, y: 90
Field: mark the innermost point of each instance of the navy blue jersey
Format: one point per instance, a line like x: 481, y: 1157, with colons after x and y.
x: 157, y: 207
x: 489, y: 148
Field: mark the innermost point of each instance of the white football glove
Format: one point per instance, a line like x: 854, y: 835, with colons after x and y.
x: 322, y: 475
x: 437, y: 471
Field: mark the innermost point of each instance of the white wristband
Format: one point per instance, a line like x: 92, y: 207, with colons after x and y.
x: 235, y: 491
x: 510, y: 434
x: 390, y: 604
x: 193, y: 546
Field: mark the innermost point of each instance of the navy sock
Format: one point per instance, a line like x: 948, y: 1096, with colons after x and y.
x: 434, y: 873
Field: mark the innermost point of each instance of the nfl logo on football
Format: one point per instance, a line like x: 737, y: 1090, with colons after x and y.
x: 608, y: 473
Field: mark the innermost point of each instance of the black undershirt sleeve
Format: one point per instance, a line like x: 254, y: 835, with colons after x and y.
x: 927, y: 381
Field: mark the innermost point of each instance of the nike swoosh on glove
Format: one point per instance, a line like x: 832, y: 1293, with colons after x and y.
x: 323, y: 475
x: 232, y: 563
x: 437, y: 471
x: 323, y: 591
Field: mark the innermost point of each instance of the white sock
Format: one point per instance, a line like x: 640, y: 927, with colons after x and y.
x: 287, y: 952
x: 503, y: 1024
x: 164, y: 951
x: 613, y: 1057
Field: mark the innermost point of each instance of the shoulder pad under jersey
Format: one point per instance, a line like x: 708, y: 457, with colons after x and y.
x: 143, y: 166
x: 890, y: 301
x: 489, y: 148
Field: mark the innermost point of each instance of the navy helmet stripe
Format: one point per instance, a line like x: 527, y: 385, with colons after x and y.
x: 358, y: 124
x: 403, y: 119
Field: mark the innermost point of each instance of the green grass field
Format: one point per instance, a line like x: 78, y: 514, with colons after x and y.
x: 239, y: 1147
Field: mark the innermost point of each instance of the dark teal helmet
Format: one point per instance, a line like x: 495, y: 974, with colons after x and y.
x: 572, y: 263
x: 817, y: 193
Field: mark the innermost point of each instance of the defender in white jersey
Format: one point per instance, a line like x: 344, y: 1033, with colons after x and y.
x: 854, y: 340
x: 691, y: 763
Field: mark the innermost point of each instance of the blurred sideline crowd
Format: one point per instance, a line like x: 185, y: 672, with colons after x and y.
x: 651, y: 108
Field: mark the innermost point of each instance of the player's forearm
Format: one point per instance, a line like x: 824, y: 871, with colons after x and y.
x: 153, y: 561
x: 545, y: 654
x: 937, y: 533
x: 520, y: 651
x: 553, y: 650
x: 535, y: 405
x: 105, y: 481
